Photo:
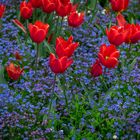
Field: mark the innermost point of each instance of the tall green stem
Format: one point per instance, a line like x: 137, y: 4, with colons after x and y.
x: 37, y: 55
x: 64, y: 92
x: 53, y: 92
x: 129, y: 50
x: 66, y: 100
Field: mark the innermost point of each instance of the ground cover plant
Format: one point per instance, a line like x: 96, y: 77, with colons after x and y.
x: 69, y: 70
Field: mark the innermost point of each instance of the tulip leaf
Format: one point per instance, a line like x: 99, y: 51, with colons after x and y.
x: 131, y: 18
x: 131, y: 66
x: 100, y: 28
x: 91, y: 4
x: 2, y: 80
x: 50, y: 50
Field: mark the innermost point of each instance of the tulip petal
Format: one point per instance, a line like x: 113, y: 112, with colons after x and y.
x: 119, y: 40
x: 136, y: 37
x: 103, y: 48
x: 60, y: 50
x: 26, y: 12
x: 69, y: 62
x: 101, y: 58
x: 112, y: 34
x: 96, y: 69
x: 121, y: 20
x: 39, y: 36
x: 111, y: 62
x: 116, y: 54
x: 109, y: 50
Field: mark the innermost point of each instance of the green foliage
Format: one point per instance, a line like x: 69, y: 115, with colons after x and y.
x: 103, y: 3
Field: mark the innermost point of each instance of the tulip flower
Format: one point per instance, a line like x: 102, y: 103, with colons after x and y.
x: 121, y: 20
x: 17, y: 56
x: 65, y: 48
x: 36, y: 3
x: 63, y: 9
x: 119, y: 5
x: 2, y: 10
x: 19, y: 24
x: 38, y: 31
x: 59, y: 65
x: 96, y: 69
x: 14, y: 72
x: 26, y: 10
x: 133, y: 33
x: 116, y: 35
x: 48, y: 6
x: 74, y: 8
x: 108, y: 56
x: 75, y: 19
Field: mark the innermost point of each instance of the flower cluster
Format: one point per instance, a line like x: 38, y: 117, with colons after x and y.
x: 62, y: 8
x: 123, y: 32
x: 117, y: 34
x: 108, y: 56
x: 64, y: 50
x: 111, y: 103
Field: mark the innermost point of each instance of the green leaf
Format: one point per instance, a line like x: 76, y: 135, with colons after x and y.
x: 91, y: 4
x: 131, y: 18
x: 2, y: 79
x: 50, y: 50
x: 100, y: 28
x: 131, y: 66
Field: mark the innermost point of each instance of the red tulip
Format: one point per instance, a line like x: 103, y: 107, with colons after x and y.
x: 2, y: 10
x: 133, y: 33
x: 96, y: 69
x: 48, y: 6
x: 14, y: 72
x: 74, y: 8
x: 36, y: 3
x: 19, y: 24
x: 108, y: 56
x: 75, y: 19
x: 26, y: 9
x: 38, y: 31
x: 119, y: 5
x: 59, y: 65
x: 63, y: 9
x: 65, y: 1
x: 65, y: 48
x: 121, y: 20
x: 116, y: 35
x: 17, y: 56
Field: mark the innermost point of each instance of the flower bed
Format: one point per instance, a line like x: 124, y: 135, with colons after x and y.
x: 69, y: 70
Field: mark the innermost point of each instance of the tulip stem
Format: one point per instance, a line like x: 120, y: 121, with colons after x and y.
x: 57, y: 21
x: 53, y: 92
x: 65, y: 96
x: 129, y: 50
x: 103, y: 81
x: 61, y: 24
x: 60, y: 29
x: 37, y: 54
x: 66, y: 100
